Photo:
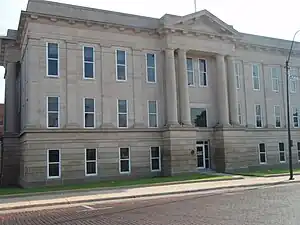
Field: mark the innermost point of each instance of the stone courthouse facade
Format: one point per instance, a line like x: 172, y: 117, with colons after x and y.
x: 93, y: 94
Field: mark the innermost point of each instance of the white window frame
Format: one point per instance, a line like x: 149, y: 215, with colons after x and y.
x: 281, y: 152
x: 265, y: 153
x: 159, y: 158
x: 237, y: 73
x: 155, y: 76
x: 256, y: 77
x: 240, y: 113
x: 91, y: 161
x: 116, y: 58
x: 129, y: 161
x: 275, y: 79
x: 156, y: 113
x: 84, y: 62
x: 59, y: 164
x: 84, y: 112
x: 261, y: 116
x: 122, y: 113
x: 293, y: 80
x: 190, y: 71
x: 277, y: 116
x: 298, y: 116
x: 47, y: 60
x: 204, y: 73
x: 58, y: 112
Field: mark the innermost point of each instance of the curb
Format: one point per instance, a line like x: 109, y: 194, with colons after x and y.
x: 66, y: 202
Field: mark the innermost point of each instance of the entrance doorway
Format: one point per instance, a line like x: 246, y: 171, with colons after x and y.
x: 203, y: 157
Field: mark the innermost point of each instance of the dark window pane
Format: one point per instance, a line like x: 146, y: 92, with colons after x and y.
x: 90, y: 167
x: 298, y: 145
x: 124, y: 153
x: 121, y: 72
x: 202, y: 65
x: 258, y: 122
x: 155, y: 164
x: 125, y: 166
x: 88, y: 54
x: 53, y: 156
x: 53, y: 104
x: 53, y: 50
x: 189, y: 64
x: 90, y: 154
x: 152, y: 106
x: 281, y: 146
x: 262, y: 158
x: 151, y: 74
x: 154, y: 152
x: 278, y: 122
x: 121, y: 57
x: 190, y: 78
x: 198, y: 117
x: 89, y: 104
x: 150, y: 60
x: 88, y: 70
x: 53, y: 120
x: 53, y: 170
x: 89, y: 120
x: 152, y: 120
x: 298, y: 155
x: 203, y: 80
x: 122, y: 120
x: 262, y: 147
x: 282, y: 157
x: 52, y: 67
x: 122, y: 106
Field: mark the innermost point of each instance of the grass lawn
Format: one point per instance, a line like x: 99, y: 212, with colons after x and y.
x: 112, y: 184
x: 263, y: 173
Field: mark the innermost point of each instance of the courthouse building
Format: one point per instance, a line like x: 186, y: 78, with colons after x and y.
x: 93, y: 94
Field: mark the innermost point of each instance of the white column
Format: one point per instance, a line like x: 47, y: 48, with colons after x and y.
x: 232, y: 91
x: 222, y: 91
x: 185, y: 115
x: 171, y: 94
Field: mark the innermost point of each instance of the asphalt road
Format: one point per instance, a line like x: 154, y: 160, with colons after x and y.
x: 266, y: 205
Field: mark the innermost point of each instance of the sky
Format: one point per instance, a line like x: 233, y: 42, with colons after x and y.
x: 261, y: 17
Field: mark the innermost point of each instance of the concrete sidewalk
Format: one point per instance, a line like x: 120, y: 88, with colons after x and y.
x: 136, y: 192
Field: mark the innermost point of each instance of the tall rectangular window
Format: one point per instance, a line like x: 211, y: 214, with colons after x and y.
x: 152, y: 113
x: 275, y: 74
x: 89, y: 113
x: 277, y: 116
x: 298, y: 149
x: 240, y: 113
x: 255, y: 77
x: 124, y: 160
x: 88, y: 62
x: 237, y: 74
x: 151, y: 67
x: 155, y: 159
x: 293, y: 81
x: 296, y: 115
x: 52, y: 59
x: 199, y: 117
x: 90, y: 162
x: 262, y: 153
x: 53, y: 164
x: 190, y: 71
x: 258, y: 116
x: 53, y: 117
x: 281, y: 152
x: 203, y: 72
x: 122, y: 113
x: 121, y: 65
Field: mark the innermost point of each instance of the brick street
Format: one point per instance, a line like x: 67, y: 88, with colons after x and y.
x: 276, y: 205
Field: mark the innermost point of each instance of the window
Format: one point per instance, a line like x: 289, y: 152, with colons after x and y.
x: 203, y: 72
x: 298, y: 148
x: 53, y: 164
x: 255, y: 77
x: 89, y: 112
x: 281, y: 152
x: 258, y: 116
x: 151, y: 67
x: 121, y: 69
x: 198, y: 116
x: 262, y: 153
x: 122, y: 113
x: 90, y: 162
x: 155, y: 160
x: 52, y: 60
x: 237, y: 73
x: 292, y: 80
x: 277, y: 116
x: 152, y: 113
x: 88, y: 63
x: 124, y: 162
x: 275, y: 73
x: 295, y: 117
x: 240, y: 113
x: 190, y: 71
x: 53, y: 112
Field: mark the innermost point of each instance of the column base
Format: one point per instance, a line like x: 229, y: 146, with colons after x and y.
x: 173, y: 125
